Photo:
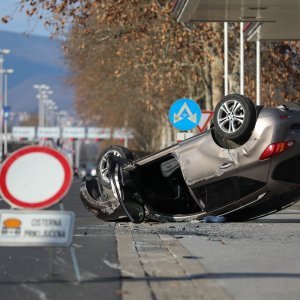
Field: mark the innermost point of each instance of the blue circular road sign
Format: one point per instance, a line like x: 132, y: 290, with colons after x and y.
x: 184, y: 114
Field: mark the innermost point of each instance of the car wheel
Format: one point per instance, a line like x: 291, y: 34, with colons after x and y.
x: 234, y: 118
x: 102, y: 164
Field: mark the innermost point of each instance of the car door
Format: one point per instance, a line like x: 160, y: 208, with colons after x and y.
x: 209, y: 171
x: 202, y: 161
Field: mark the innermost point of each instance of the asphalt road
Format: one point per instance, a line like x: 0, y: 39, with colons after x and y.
x: 24, y: 272
x: 253, y: 260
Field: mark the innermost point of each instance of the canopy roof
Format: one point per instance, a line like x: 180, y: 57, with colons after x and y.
x: 280, y: 19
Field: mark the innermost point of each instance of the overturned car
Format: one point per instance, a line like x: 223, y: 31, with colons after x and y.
x: 245, y: 166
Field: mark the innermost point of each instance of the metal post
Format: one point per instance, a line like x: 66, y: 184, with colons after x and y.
x: 75, y: 264
x: 40, y: 110
x: 55, y: 115
x: 242, y: 60
x: 50, y: 114
x: 2, y: 52
x: 50, y: 264
x: 1, y: 102
x: 43, y: 111
x: 258, y: 68
x: 43, y: 92
x: 6, y: 73
x: 5, y: 119
x: 226, y: 58
x: 46, y: 111
x: 73, y: 254
x: 40, y: 106
x: 77, y: 153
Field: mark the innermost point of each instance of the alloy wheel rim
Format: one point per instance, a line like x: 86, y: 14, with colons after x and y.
x: 231, y: 116
x: 104, y: 164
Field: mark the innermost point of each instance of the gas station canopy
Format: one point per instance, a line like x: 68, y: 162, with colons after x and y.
x: 280, y: 19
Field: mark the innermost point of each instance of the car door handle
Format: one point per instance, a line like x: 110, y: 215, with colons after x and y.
x: 225, y: 165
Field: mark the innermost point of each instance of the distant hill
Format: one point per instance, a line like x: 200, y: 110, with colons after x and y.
x: 35, y: 60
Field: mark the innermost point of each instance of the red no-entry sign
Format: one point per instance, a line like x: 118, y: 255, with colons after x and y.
x: 35, y: 177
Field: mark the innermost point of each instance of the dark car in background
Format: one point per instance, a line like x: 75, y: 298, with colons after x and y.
x: 88, y: 168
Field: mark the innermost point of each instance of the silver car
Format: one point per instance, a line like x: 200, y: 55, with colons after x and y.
x: 245, y: 166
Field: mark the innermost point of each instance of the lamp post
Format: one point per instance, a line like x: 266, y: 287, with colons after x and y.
x: 43, y: 92
x: 39, y: 87
x: 51, y: 112
x: 6, y: 73
x: 55, y: 108
x: 47, y: 110
x: 2, y: 53
x: 45, y: 107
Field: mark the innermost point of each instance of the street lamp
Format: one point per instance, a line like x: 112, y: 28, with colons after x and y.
x: 4, y: 51
x: 5, y: 73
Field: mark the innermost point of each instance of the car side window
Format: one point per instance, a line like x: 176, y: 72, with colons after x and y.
x: 248, y: 186
x: 220, y: 193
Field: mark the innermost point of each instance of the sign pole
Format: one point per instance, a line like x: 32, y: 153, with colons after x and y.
x: 50, y: 265
x: 73, y: 254
x: 75, y: 263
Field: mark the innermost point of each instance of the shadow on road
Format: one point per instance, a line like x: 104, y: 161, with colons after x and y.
x: 277, y: 221
x: 162, y: 278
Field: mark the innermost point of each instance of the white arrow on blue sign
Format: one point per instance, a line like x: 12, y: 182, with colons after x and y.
x: 184, y: 114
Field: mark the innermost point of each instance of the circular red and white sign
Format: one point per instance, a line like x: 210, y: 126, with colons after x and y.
x: 35, y: 177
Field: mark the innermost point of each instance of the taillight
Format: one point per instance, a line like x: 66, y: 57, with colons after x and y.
x: 276, y: 148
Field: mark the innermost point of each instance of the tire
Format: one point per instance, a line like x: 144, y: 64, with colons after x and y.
x: 219, y: 140
x: 102, y: 162
x: 234, y: 118
x: 225, y: 143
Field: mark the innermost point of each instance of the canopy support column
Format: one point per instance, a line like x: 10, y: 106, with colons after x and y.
x: 226, y: 58
x: 242, y: 59
x: 258, y: 83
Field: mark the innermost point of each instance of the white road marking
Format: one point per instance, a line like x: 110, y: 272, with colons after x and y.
x: 41, y: 295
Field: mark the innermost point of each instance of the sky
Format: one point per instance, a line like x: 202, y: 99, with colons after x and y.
x: 20, y: 23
